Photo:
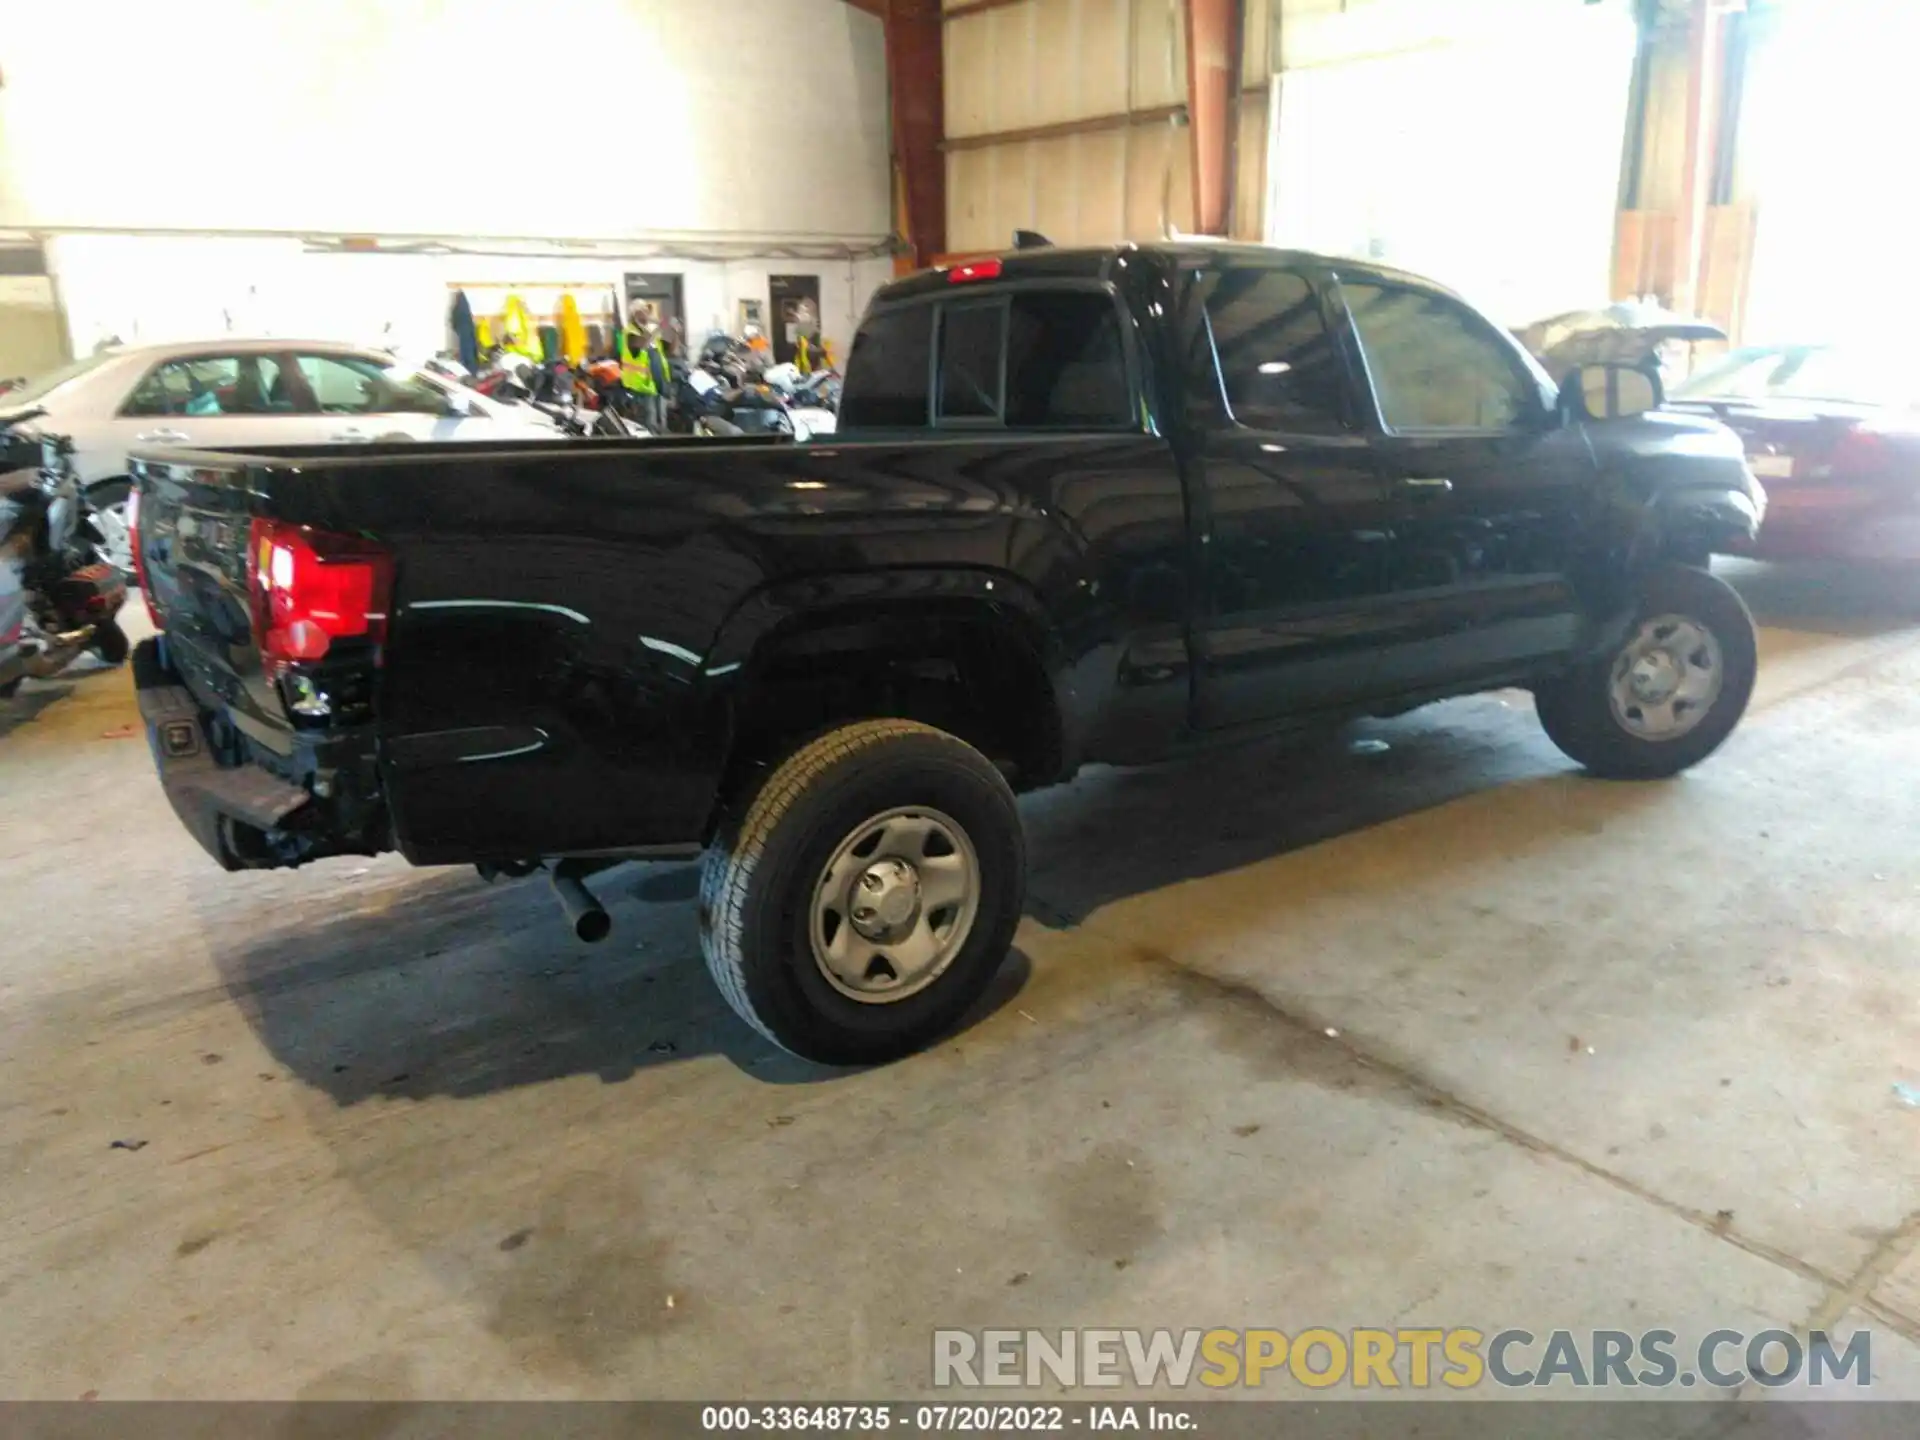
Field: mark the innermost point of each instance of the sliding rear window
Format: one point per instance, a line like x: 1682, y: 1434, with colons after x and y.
x: 1021, y: 360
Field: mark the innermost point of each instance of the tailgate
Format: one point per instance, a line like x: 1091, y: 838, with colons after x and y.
x: 265, y: 769
x: 195, y: 518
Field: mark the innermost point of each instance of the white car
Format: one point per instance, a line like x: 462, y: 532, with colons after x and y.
x: 230, y: 393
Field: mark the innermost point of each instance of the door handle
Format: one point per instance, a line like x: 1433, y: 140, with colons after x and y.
x: 1424, y: 485
x: 162, y: 437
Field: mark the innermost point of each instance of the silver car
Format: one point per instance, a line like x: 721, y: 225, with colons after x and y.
x: 232, y: 393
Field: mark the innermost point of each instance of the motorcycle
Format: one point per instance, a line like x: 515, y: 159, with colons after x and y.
x: 813, y: 401
x: 72, y: 597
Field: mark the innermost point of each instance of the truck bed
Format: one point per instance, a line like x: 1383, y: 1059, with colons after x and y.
x: 569, y: 621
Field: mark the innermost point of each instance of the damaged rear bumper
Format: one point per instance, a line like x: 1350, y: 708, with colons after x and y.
x: 248, y: 808
x: 208, y: 797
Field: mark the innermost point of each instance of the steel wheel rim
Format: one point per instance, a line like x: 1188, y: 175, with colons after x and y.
x: 894, y: 904
x: 1665, y: 680
x: 116, y: 547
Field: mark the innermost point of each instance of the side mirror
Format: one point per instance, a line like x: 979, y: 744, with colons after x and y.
x: 458, y: 403
x: 1610, y: 392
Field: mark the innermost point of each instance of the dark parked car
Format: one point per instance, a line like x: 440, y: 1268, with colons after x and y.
x: 1086, y: 505
x: 1834, y: 434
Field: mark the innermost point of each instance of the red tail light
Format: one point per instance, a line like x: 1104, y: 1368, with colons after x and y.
x: 1860, y: 453
x: 311, y: 588
x: 974, y: 270
x: 140, y: 560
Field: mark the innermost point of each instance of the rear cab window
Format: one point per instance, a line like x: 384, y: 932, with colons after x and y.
x: 1023, y: 359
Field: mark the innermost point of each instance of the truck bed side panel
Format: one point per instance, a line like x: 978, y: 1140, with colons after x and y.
x: 548, y: 686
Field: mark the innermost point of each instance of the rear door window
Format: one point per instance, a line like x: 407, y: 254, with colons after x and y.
x: 349, y: 385
x: 888, y: 369
x: 1279, y: 367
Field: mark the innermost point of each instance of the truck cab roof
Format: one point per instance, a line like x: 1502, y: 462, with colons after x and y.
x: 1099, y: 262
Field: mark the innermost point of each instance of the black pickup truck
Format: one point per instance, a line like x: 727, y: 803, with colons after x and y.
x: 1086, y: 506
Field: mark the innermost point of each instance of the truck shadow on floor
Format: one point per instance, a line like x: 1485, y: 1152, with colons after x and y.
x: 439, y: 984
x: 1117, y: 833
x: 449, y: 986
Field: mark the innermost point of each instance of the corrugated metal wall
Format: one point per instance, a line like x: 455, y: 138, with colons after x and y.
x: 1030, y: 66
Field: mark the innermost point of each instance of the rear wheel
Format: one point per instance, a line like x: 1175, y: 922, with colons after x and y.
x: 861, y: 900
x: 110, y: 642
x: 107, y: 503
x: 1671, y: 691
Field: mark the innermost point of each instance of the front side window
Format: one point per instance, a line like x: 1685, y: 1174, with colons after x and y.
x: 973, y: 341
x: 349, y: 385
x: 1279, y: 368
x: 1435, y: 366
x: 887, y: 370
x: 214, y: 385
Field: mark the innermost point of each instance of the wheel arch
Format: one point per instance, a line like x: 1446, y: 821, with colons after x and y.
x: 972, y: 651
x: 1697, y: 521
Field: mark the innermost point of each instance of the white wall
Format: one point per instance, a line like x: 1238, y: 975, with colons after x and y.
x: 578, y: 118
x: 153, y: 288
x: 174, y: 160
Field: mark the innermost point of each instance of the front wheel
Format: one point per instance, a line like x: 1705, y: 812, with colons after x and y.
x: 860, y: 902
x: 1666, y: 696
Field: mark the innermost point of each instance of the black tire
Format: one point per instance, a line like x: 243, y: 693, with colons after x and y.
x: 110, y: 642
x: 757, y: 887
x: 12, y: 687
x: 1577, y: 710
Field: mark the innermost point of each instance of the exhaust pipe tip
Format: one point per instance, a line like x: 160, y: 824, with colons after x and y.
x: 588, y: 916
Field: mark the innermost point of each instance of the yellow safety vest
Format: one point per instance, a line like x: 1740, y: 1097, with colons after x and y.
x: 812, y: 356
x: 637, y: 366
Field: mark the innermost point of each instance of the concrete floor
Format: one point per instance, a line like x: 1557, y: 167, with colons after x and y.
x: 1606, y: 1056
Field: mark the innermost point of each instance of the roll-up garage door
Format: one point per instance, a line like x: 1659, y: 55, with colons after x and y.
x: 1487, y: 157
x: 1829, y: 115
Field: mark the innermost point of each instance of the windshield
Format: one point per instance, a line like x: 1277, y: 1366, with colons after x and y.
x: 42, y: 385
x: 1807, y: 373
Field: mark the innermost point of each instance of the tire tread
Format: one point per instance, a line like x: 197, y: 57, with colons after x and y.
x: 727, y: 872
x: 1574, y: 709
